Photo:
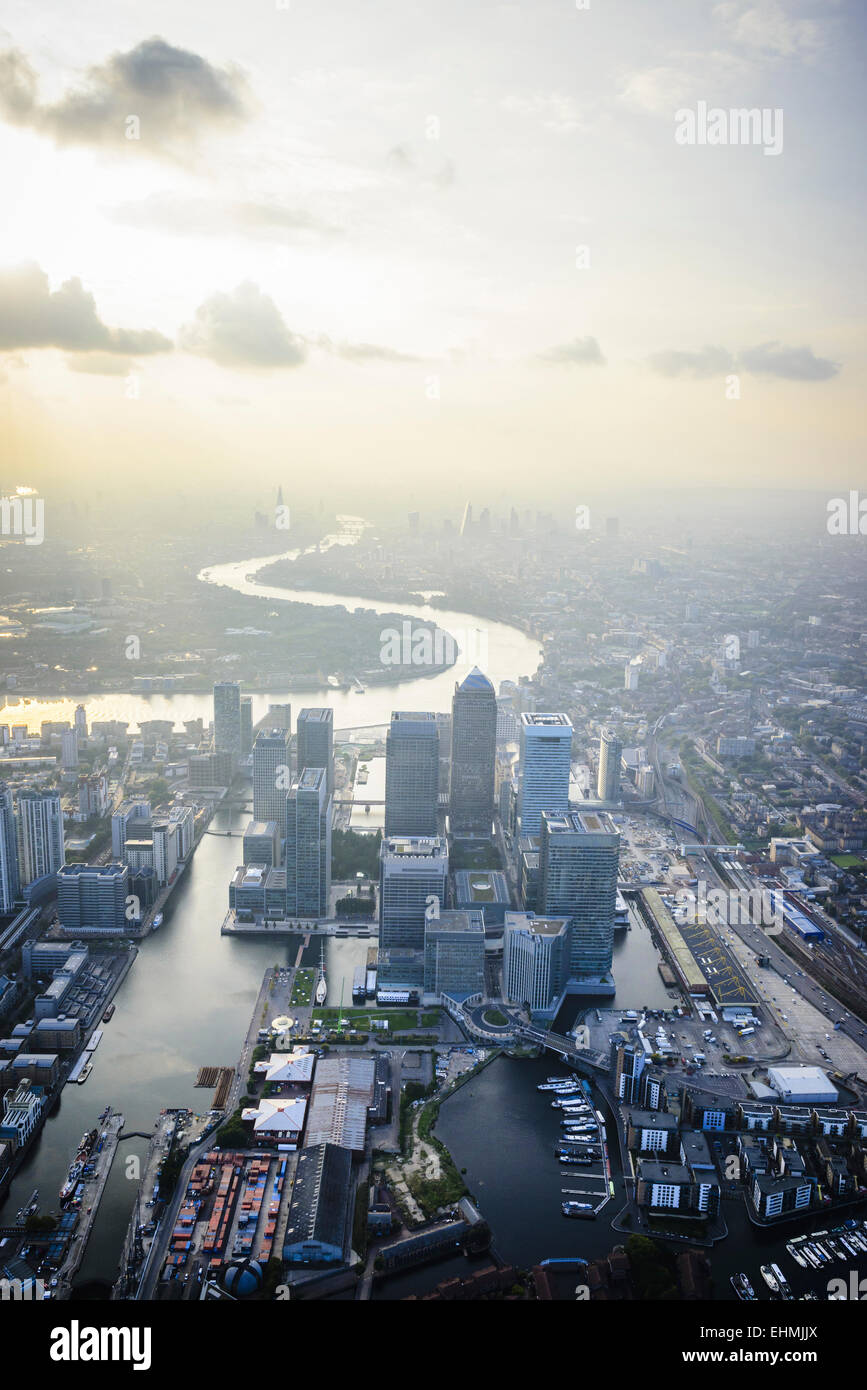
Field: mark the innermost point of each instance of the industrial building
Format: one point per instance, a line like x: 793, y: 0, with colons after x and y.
x: 342, y: 1094
x: 318, y: 1225
x: 803, y: 1085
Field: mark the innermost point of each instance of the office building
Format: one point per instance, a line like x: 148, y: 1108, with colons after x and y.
x: 454, y: 956
x: 474, y: 752
x: 413, y: 879
x: 535, y: 960
x: 40, y: 835
x: 9, y: 886
x: 314, y: 742
x: 272, y: 776
x: 308, y: 845
x: 246, y: 726
x: 227, y: 719
x: 69, y: 749
x: 81, y: 721
x: 485, y: 890
x: 411, y: 774
x: 578, y: 863
x: 165, y: 850
x: 262, y: 843
x: 126, y: 821
x: 610, y: 754
x: 546, y: 760
x: 93, y: 897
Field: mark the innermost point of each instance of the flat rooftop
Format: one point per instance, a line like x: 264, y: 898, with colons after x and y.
x: 316, y: 714
x: 545, y: 721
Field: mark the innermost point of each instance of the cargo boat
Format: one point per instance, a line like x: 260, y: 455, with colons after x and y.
x: 108, y: 1013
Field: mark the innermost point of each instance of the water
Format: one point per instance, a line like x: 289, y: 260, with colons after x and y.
x: 186, y: 1002
x: 504, y: 652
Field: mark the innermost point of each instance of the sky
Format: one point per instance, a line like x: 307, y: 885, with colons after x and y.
x: 365, y: 250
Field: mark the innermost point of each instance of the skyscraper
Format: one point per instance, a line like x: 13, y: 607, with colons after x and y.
x: 546, y: 760
x: 608, y: 778
x: 271, y: 776
x: 246, y: 725
x: 411, y: 774
x: 81, y: 721
x: 227, y: 718
x: 40, y: 835
x: 315, y: 741
x: 308, y: 845
x: 413, y: 876
x: 579, y: 853
x: 474, y: 753
x: 8, y: 851
x: 535, y: 960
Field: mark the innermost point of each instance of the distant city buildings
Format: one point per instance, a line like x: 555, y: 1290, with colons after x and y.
x: 411, y: 774
x: 474, y: 751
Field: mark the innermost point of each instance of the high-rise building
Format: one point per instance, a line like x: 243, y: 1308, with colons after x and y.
x: 9, y: 886
x: 308, y: 845
x: 610, y: 754
x: 314, y: 739
x: 535, y: 960
x: 69, y: 749
x: 81, y: 721
x: 272, y: 776
x: 280, y: 716
x: 411, y: 774
x: 227, y: 718
x: 165, y: 849
x: 474, y: 753
x: 123, y: 825
x: 454, y: 955
x: 93, y: 896
x: 546, y: 760
x: 40, y: 835
x: 246, y: 725
x: 413, y: 877
x: 579, y: 854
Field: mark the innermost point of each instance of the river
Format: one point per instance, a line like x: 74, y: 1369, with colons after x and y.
x: 186, y: 1001
x: 504, y: 652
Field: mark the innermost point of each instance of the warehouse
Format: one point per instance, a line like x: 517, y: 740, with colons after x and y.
x: 803, y: 1085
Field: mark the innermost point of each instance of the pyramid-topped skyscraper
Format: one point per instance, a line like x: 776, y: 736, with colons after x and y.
x: 474, y: 749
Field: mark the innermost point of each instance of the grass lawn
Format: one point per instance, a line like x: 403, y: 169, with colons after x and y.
x: 399, y: 1020
x: 302, y: 987
x: 848, y: 861
x: 495, y: 1018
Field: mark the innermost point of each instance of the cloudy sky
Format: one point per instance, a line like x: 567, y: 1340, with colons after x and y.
x: 347, y: 246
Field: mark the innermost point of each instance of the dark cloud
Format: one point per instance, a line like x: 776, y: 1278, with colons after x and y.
x: 242, y: 329
x: 222, y: 217
x: 707, y: 362
x: 790, y: 363
x: 768, y: 359
x: 32, y: 316
x: 581, y: 352
x: 174, y: 94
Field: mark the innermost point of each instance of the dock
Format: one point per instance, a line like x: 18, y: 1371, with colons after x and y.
x: 221, y: 1078
x: 93, y: 1190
